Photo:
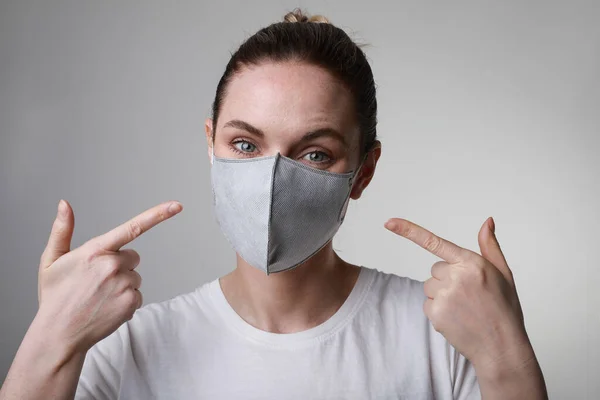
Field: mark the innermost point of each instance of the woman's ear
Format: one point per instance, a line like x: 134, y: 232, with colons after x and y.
x: 208, y: 128
x: 366, y: 171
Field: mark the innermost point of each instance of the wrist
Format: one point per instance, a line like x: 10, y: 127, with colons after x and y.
x: 47, y: 344
x: 507, y: 365
x: 512, y: 373
x: 44, y: 367
x: 508, y: 347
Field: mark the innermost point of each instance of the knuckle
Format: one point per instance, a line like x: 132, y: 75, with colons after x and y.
x: 477, y: 276
x: 135, y: 256
x: 436, y: 317
x: 136, y: 280
x: 140, y: 298
x: 406, y: 230
x: 444, y: 295
x: 433, y: 244
x: 111, y: 267
x: 427, y: 307
x: 130, y: 299
x: 437, y: 268
x: 161, y: 214
x: 58, y: 229
x: 135, y: 229
x: 91, y: 255
x: 454, y: 275
x: 435, y: 325
x: 427, y: 288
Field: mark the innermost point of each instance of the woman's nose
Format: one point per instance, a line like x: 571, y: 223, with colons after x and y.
x: 282, y: 151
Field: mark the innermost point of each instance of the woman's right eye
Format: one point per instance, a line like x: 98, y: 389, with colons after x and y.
x: 245, y: 147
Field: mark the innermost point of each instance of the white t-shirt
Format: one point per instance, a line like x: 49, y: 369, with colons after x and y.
x: 378, y: 345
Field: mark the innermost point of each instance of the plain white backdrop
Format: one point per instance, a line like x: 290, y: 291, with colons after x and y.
x: 485, y: 108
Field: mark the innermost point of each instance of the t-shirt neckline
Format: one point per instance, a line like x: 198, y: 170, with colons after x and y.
x: 315, y: 334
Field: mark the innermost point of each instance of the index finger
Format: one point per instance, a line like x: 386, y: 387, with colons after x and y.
x: 442, y: 248
x: 118, y: 237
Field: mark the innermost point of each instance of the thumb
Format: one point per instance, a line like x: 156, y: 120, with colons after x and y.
x: 59, y: 242
x: 490, y: 248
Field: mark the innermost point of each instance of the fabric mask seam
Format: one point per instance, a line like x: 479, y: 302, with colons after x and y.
x: 277, y: 158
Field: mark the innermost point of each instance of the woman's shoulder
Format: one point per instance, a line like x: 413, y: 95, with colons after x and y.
x: 175, y: 311
x: 394, y: 294
x: 391, y: 284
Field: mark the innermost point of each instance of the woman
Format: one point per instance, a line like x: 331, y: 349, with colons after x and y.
x: 292, y: 138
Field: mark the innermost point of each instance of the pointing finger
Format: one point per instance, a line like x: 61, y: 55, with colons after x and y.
x: 427, y: 240
x: 132, y: 229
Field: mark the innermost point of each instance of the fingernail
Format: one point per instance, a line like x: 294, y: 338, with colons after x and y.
x: 62, y: 209
x: 492, y: 225
x: 175, y: 207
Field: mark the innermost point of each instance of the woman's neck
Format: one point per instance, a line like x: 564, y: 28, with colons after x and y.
x: 293, y: 300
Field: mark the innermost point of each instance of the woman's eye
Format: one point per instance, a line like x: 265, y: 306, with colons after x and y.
x: 245, y: 147
x: 317, y: 157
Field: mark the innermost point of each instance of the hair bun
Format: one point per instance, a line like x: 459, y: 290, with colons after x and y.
x: 298, y: 16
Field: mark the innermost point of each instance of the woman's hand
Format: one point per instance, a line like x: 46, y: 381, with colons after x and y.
x: 472, y: 301
x: 87, y: 293
x: 84, y: 295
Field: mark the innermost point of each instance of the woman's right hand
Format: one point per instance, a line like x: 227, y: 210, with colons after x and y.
x: 85, y: 294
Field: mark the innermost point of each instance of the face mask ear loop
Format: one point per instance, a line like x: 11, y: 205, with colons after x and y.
x: 212, y: 152
x: 357, y: 170
x: 342, y: 214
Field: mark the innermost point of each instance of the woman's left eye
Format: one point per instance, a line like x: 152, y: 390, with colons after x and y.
x: 317, y: 157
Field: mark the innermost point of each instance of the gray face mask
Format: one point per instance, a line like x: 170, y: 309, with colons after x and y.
x: 277, y: 212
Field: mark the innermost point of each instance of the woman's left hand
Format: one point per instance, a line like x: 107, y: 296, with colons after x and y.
x: 471, y: 298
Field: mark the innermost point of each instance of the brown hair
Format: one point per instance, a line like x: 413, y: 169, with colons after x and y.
x: 316, y: 41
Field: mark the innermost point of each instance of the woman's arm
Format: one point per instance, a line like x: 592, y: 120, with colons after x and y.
x: 515, y: 374
x: 43, y: 367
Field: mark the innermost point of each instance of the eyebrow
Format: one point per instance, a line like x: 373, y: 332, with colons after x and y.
x: 243, y: 125
x: 322, y: 132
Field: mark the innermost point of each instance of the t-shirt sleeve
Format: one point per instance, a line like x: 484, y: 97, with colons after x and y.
x: 465, y: 385
x: 101, y: 374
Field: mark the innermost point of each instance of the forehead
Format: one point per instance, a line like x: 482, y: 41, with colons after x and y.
x: 289, y: 97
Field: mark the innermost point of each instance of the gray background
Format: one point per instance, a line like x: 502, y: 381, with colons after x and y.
x: 486, y: 108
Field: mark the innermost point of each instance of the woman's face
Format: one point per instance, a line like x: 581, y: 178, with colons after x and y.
x: 296, y: 109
